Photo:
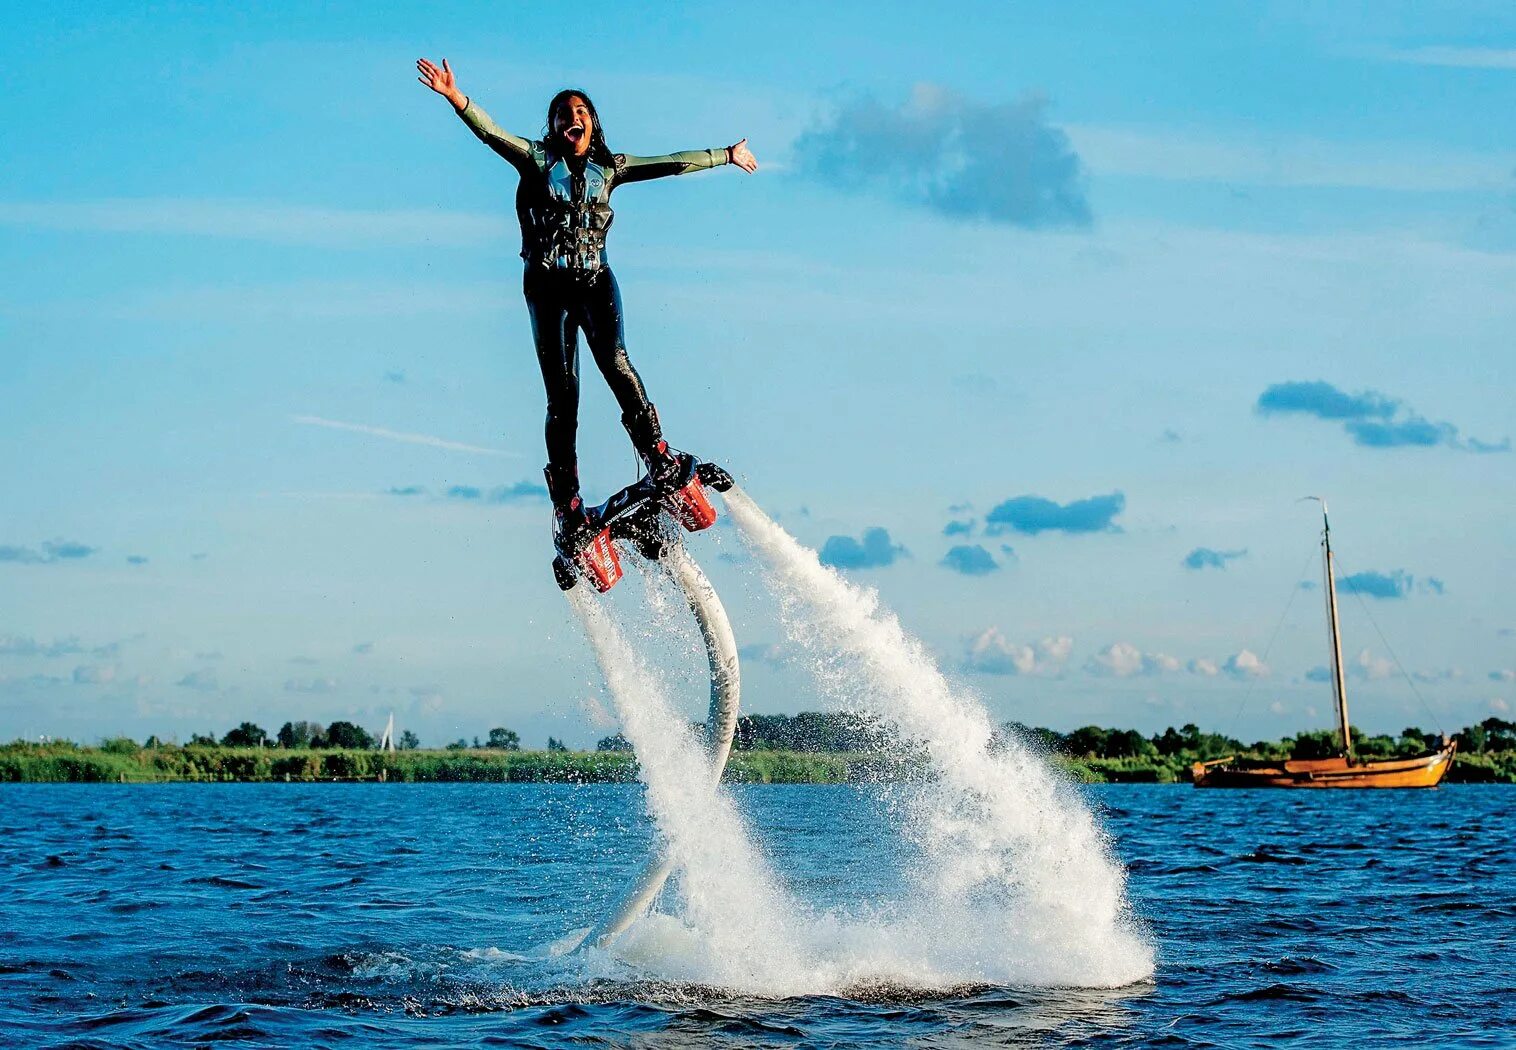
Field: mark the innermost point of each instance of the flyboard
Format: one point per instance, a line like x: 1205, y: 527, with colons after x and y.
x: 643, y: 517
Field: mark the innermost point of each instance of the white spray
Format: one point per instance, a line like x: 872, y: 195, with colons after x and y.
x: 735, y: 916
x: 1017, y: 882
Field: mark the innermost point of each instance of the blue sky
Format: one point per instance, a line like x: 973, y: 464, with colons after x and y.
x: 1072, y: 307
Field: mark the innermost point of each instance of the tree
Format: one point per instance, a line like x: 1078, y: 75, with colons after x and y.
x: 1128, y: 743
x: 1500, y: 735
x: 1087, y: 740
x: 614, y: 743
x: 409, y: 741
x: 502, y: 739
x: 245, y: 735
x: 1170, y: 742
x: 457, y: 745
x: 152, y: 742
x: 300, y: 734
x: 347, y: 735
x: 1317, y: 743
x: 202, y: 740
x: 554, y: 744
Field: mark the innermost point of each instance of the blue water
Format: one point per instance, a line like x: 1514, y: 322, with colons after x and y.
x: 406, y: 915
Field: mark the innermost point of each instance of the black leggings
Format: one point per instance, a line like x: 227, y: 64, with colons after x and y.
x: 561, y: 305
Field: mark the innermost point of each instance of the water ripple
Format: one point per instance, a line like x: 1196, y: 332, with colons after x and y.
x: 399, y: 916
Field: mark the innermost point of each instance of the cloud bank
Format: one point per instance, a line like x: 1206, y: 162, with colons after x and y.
x: 1325, y: 401
x: 50, y: 552
x: 1370, y: 418
x: 1205, y: 558
x: 517, y: 492
x: 19, y: 645
x: 271, y: 223
x: 998, y: 162
x: 970, y: 560
x: 1245, y: 664
x: 1396, y: 584
x: 1034, y: 514
x: 874, y: 550
x: 990, y: 652
x: 1125, y: 660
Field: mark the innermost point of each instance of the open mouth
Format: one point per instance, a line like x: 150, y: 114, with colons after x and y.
x: 574, y: 132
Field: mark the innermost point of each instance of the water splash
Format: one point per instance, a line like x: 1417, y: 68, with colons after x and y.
x: 1012, y: 880
x: 733, y: 927
x: 1016, y: 881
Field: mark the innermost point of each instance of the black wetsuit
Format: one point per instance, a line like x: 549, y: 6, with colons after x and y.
x: 564, y: 208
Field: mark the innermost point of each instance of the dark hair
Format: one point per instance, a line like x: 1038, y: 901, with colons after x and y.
x: 599, y: 152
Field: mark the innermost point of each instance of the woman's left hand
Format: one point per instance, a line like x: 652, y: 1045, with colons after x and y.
x: 743, y: 157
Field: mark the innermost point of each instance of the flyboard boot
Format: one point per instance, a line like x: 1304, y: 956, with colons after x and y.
x: 675, y: 476
x: 582, y: 541
x: 637, y: 515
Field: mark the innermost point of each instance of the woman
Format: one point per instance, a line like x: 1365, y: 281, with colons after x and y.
x: 563, y: 203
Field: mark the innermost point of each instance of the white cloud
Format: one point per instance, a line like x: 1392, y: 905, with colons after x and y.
x: 308, y: 299
x: 1499, y: 706
x: 269, y: 222
x: 992, y: 653
x: 310, y: 685
x: 1371, y: 668
x: 1289, y: 162
x: 771, y: 653
x: 1245, y: 664
x: 1124, y: 660
x: 203, y: 680
x: 1441, y: 674
x: 399, y: 435
x: 428, y: 699
x: 18, y: 645
x: 1203, y: 667
x: 1057, y: 649
x: 1278, y: 708
x: 95, y: 674
x: 1456, y: 57
x: 1503, y: 675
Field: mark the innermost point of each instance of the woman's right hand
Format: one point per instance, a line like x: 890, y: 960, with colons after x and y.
x: 441, y: 81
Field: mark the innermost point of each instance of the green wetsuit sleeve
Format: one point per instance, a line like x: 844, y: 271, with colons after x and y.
x: 640, y: 169
x: 513, y: 148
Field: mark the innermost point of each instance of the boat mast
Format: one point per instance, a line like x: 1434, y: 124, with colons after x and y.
x: 1339, y: 685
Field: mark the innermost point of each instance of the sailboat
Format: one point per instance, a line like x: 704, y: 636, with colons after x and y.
x: 1344, y: 769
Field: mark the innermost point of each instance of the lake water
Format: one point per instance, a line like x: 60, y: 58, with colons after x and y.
x: 416, y: 915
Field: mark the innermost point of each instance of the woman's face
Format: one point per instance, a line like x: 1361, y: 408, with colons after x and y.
x: 573, y: 123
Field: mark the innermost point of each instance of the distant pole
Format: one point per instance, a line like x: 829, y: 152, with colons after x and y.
x: 1339, y: 681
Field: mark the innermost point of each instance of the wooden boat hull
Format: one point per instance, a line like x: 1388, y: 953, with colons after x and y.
x: 1420, y: 771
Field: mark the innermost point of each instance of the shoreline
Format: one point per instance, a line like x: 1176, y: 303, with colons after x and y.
x: 64, y: 764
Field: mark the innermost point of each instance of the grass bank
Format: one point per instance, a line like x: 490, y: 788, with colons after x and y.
x: 122, y: 762
x: 66, y: 763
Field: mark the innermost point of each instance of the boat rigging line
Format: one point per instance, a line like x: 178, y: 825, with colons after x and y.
x: 1400, y: 666
x: 1295, y: 587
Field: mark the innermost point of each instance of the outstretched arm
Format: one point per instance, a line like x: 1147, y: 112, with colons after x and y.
x: 640, y: 169
x: 513, y: 148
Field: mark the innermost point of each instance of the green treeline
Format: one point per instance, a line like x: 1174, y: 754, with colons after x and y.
x: 124, y: 762
x: 808, y: 748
